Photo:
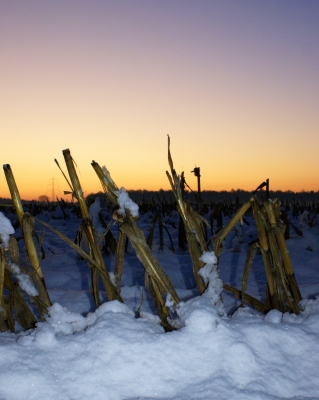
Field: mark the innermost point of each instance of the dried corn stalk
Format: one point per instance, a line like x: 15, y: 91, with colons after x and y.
x: 13, y: 305
x: 111, y: 290
x: 127, y: 225
x: 42, y: 301
x: 4, y: 326
x: 282, y: 285
x: 192, y: 222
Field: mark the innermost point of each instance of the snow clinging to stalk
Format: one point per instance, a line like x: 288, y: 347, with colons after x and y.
x: 24, y: 281
x: 6, y: 229
x: 125, y: 202
x: 210, y: 274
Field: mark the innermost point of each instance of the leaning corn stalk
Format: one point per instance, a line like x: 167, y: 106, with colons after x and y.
x: 280, y: 237
x: 13, y: 305
x: 286, y: 282
x: 248, y: 264
x: 16, y: 299
x: 119, y: 258
x: 128, y: 226
x: 17, y: 306
x: 248, y: 299
x: 217, y: 246
x: 160, y: 305
x: 111, y: 290
x: 92, y: 263
x: 264, y: 249
x: 4, y: 325
x: 192, y: 222
x: 42, y: 301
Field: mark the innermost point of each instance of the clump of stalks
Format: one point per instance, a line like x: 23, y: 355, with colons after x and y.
x: 13, y: 305
x: 282, y: 288
x: 90, y: 237
x: 155, y: 277
x: 42, y: 301
x: 193, y: 223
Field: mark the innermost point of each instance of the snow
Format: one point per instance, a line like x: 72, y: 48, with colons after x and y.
x: 116, y: 354
x: 94, y: 210
x: 6, y: 229
x: 126, y: 203
x: 24, y: 280
x: 221, y: 351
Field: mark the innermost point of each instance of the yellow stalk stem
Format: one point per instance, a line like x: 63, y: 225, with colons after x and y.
x: 149, y: 261
x: 224, y: 232
x: 136, y: 237
x: 110, y: 289
x: 260, y: 227
x: 43, y: 301
x: 2, y: 268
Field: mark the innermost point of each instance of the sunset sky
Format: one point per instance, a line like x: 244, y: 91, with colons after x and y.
x: 234, y: 83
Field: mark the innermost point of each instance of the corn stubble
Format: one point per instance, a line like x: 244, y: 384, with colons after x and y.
x: 192, y: 222
x: 91, y: 239
x: 155, y: 277
x: 42, y: 301
x: 282, y: 289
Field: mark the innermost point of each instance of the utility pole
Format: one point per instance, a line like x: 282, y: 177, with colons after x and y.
x: 197, y: 173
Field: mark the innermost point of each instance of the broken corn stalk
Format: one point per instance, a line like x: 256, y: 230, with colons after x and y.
x: 111, y: 290
x: 192, y: 222
x: 42, y: 301
x: 128, y: 226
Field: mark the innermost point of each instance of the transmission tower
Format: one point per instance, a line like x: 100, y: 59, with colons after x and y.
x: 53, y: 187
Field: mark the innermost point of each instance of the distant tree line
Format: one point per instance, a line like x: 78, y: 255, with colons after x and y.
x: 206, y: 195
x: 217, y: 197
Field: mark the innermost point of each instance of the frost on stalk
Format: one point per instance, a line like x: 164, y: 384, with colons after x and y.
x: 125, y: 202
x: 6, y: 229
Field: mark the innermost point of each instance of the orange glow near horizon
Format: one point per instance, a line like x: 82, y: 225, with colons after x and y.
x: 234, y: 84
x: 33, y: 181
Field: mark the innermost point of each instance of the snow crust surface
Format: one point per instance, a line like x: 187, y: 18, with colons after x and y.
x: 110, y: 354
x: 221, y: 351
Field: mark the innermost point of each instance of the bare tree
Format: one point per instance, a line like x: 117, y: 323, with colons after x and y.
x: 43, y: 198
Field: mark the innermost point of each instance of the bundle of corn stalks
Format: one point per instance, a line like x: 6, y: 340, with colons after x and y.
x: 14, y: 303
x: 282, y: 288
x: 91, y: 238
x: 13, y: 306
x: 126, y: 215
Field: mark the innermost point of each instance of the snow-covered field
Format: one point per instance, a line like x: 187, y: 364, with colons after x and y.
x: 109, y: 353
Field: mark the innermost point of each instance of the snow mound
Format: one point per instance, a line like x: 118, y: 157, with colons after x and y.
x: 248, y: 356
